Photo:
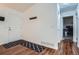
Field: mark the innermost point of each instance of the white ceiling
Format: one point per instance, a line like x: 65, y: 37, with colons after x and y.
x: 24, y: 6
x: 17, y: 6
x: 67, y: 6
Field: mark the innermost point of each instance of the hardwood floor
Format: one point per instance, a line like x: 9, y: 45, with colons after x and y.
x: 66, y: 47
x: 20, y: 50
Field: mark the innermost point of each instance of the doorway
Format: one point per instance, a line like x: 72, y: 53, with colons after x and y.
x: 68, y: 27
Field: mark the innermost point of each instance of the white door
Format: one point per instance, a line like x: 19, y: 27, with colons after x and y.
x: 13, y: 34
x: 3, y: 32
x: 14, y: 27
x: 10, y: 29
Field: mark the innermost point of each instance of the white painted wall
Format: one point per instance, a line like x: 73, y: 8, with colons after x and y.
x: 13, y: 19
x: 77, y: 25
x: 42, y: 30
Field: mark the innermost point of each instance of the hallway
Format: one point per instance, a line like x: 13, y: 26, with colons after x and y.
x: 67, y: 47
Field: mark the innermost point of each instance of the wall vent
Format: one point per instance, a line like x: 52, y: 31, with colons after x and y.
x: 32, y: 18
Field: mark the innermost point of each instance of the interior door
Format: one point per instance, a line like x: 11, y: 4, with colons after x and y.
x: 14, y: 27
x: 13, y: 34
x: 3, y: 32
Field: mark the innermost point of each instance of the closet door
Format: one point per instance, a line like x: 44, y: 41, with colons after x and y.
x: 14, y: 25
x: 10, y: 29
x: 3, y: 32
x: 13, y: 33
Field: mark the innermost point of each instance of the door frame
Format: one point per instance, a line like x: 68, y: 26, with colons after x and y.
x: 66, y: 14
x: 63, y: 21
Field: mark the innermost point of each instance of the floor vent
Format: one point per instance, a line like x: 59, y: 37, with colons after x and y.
x: 35, y: 47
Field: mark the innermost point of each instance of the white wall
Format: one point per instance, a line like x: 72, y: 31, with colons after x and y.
x: 42, y: 30
x: 13, y: 19
x: 77, y: 25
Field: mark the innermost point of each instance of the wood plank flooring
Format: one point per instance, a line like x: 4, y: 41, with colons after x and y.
x: 20, y: 50
x: 66, y: 47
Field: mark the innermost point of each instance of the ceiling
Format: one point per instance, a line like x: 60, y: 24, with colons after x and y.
x: 24, y: 6
x: 67, y: 6
x: 17, y: 6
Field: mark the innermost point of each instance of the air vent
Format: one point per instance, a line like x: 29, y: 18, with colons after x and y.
x: 35, y: 47
x: 32, y: 18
